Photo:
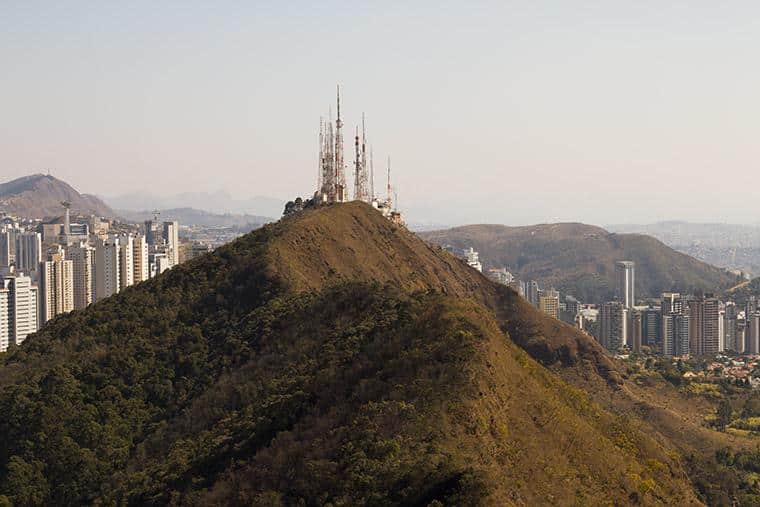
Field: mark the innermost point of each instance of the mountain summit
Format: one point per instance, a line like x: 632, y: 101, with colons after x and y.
x: 40, y: 196
x: 331, y: 358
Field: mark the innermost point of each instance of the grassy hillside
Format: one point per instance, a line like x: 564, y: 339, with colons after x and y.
x: 580, y: 259
x: 333, y: 358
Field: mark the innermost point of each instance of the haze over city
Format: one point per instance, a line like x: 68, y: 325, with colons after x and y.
x: 504, y: 112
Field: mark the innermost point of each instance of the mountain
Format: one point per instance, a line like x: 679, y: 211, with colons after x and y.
x: 741, y: 292
x: 731, y: 246
x: 686, y: 233
x: 192, y: 216
x: 334, y: 358
x: 40, y: 196
x: 219, y: 202
x: 579, y: 259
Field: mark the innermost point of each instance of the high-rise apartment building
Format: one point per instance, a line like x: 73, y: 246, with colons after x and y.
x: 57, y: 286
x: 741, y: 335
x: 141, y: 269
x: 82, y: 257
x: 548, y: 302
x: 28, y: 252
x: 126, y: 261
x: 650, y: 327
x: 751, y: 306
x: 6, y: 242
x: 5, y: 325
x: 151, y: 235
x: 625, y: 283
x: 159, y: 263
x: 532, y: 292
x: 752, y: 334
x: 572, y: 305
x: 730, y: 315
x: 612, y: 325
x: 171, y: 237
x: 635, y: 331
x: 671, y: 303
x: 704, y: 327
x: 22, y: 307
x: 668, y: 347
x: 675, y: 335
x: 107, y: 272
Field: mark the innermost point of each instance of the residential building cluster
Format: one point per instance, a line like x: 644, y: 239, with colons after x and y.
x: 673, y: 325
x: 546, y: 300
x: 53, y: 267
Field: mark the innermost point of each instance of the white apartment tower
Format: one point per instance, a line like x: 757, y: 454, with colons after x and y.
x: 57, y: 284
x: 83, y: 259
x: 22, y: 307
x: 161, y: 263
x: 624, y: 283
x: 171, y: 237
x: 107, y: 276
x: 126, y: 262
x: 141, y: 270
x: 5, y: 327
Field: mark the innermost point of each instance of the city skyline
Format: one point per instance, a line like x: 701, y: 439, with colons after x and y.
x: 488, y: 113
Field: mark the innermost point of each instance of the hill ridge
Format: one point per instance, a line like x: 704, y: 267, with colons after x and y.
x: 328, y: 357
x: 40, y: 196
x: 578, y: 259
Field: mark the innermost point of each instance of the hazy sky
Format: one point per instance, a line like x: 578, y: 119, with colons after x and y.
x: 508, y: 112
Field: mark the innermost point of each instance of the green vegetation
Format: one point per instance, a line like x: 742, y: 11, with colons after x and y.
x: 746, y: 423
x: 333, y: 359
x: 705, y: 389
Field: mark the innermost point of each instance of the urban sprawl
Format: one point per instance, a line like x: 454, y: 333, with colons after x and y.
x: 674, y: 325
x: 51, y: 267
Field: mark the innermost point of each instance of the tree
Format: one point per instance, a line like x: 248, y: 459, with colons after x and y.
x: 723, y: 414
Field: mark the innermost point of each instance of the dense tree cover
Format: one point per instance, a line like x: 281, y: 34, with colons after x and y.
x: 260, y: 375
x: 78, y: 397
x: 174, y: 385
x: 145, y: 422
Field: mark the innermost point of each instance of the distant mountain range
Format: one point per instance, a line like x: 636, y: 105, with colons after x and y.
x: 192, y: 216
x: 214, y: 202
x: 579, y: 259
x: 686, y: 233
x: 731, y: 246
x: 40, y: 196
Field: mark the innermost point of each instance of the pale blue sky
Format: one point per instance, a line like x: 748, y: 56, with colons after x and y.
x: 510, y: 112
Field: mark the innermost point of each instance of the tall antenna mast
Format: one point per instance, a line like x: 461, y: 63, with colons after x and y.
x: 320, y: 158
x: 357, y: 169
x: 371, y: 174
x: 366, y: 194
x: 389, y: 182
x: 361, y: 183
x: 340, y: 169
